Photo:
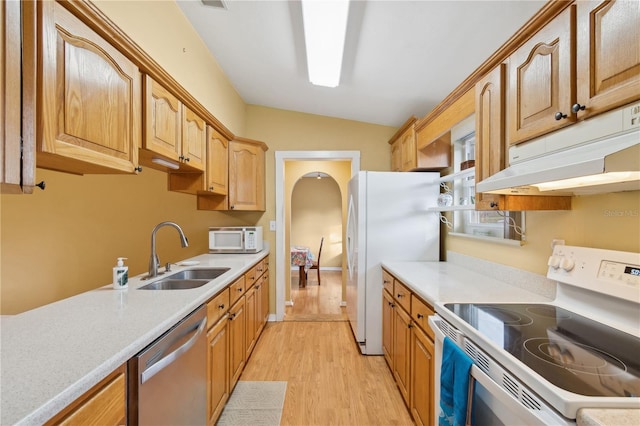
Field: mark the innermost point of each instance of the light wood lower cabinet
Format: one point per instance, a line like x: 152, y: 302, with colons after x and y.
x: 402, y: 351
x: 408, y: 347
x: 250, y: 321
x: 237, y: 318
x: 217, y: 368
x: 104, y: 404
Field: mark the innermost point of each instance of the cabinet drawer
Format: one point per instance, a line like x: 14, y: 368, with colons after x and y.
x: 217, y: 307
x: 260, y: 268
x: 387, y: 281
x: 402, y: 295
x: 250, y: 276
x: 237, y: 289
x: 420, y: 311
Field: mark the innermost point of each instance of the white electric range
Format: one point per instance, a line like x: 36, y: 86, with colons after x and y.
x: 541, y: 363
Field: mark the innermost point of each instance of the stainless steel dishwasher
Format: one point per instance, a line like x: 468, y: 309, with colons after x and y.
x: 167, y: 380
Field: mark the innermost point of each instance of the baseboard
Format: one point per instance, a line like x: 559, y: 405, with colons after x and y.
x: 343, y: 303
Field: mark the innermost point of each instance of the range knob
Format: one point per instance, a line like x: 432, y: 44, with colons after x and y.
x: 567, y: 264
x: 554, y: 262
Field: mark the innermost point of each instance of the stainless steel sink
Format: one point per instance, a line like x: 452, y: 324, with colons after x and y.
x: 199, y: 274
x: 187, y: 279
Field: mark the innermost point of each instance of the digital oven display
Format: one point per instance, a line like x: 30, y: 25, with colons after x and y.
x: 632, y: 270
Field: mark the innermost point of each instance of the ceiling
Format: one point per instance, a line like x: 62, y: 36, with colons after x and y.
x: 401, y: 57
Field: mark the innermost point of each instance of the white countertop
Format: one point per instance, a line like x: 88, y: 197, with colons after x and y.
x: 445, y: 282
x: 51, y: 355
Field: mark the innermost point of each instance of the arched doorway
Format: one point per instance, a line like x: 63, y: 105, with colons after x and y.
x: 285, y: 182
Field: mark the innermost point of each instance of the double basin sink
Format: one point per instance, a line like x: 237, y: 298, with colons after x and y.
x: 187, y: 279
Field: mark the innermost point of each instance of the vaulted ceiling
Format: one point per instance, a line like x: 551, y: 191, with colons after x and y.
x: 401, y: 57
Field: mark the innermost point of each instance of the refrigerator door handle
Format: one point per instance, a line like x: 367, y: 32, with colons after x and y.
x: 349, y: 233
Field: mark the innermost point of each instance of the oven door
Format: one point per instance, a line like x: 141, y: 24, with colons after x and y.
x: 492, y: 404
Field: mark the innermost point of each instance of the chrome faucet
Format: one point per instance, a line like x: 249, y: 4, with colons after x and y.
x: 153, y: 261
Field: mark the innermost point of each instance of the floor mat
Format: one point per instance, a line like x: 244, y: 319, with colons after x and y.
x: 254, y: 403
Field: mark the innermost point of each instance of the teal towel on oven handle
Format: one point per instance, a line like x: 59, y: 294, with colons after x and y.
x: 454, y: 384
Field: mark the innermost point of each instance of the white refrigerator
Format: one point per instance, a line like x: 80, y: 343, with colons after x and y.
x: 387, y: 219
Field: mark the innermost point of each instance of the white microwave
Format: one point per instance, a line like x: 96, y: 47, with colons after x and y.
x: 247, y: 239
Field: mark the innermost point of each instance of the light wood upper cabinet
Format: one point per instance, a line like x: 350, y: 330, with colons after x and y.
x: 491, y: 149
x: 163, y: 121
x: 217, y: 170
x: 17, y: 90
x: 403, y: 147
x: 90, y: 99
x: 490, y: 140
x: 541, y: 85
x: 608, y: 55
x: 172, y: 131
x: 194, y: 139
x: 551, y: 84
x: 246, y: 175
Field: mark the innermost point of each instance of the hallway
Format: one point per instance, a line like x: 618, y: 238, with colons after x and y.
x: 316, y: 302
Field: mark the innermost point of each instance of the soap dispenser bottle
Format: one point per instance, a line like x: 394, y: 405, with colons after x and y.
x: 120, y: 275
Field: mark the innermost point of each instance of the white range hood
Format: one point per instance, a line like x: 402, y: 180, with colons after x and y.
x: 594, y: 156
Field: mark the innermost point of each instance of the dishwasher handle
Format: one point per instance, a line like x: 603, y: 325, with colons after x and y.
x: 164, y: 362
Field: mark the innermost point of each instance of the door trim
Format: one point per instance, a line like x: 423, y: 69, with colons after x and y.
x: 281, y: 253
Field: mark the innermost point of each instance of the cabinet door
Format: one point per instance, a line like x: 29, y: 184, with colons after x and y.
x: 17, y: 90
x: 250, y: 321
x: 194, y: 139
x: 402, y: 351
x: 264, y: 300
x: 491, y: 149
x: 91, y: 97
x: 541, y: 80
x: 246, y: 176
x: 217, y: 369
x: 408, y: 148
x: 396, y: 157
x: 163, y: 121
x: 608, y: 58
x: 217, y: 162
x: 387, y: 327
x: 236, y: 341
x: 422, y: 377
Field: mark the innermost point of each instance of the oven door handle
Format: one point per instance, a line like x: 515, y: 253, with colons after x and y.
x: 506, y: 398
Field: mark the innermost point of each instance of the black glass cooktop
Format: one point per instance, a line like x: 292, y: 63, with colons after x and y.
x: 571, y: 351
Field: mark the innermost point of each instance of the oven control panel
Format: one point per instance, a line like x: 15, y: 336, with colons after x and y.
x: 611, y: 272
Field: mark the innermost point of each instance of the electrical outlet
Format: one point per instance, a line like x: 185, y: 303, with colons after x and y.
x: 272, y: 225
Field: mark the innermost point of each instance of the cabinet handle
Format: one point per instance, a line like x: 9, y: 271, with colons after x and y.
x: 257, y: 287
x: 41, y: 185
x: 232, y: 207
x: 400, y: 295
x: 240, y: 290
x: 221, y: 306
x: 181, y: 158
x: 559, y: 116
x: 410, y: 325
x: 577, y: 107
x: 386, y: 281
x: 138, y: 169
x: 211, y: 188
x: 420, y: 316
x: 232, y: 316
x: 493, y: 204
x: 186, y: 159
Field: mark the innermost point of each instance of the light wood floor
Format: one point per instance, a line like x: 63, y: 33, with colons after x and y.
x: 328, y: 381
x: 316, y: 302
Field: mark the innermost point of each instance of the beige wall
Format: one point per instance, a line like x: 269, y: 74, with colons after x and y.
x: 161, y: 29
x: 316, y: 212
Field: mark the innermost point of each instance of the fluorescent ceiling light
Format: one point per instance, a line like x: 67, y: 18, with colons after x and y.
x: 165, y: 163
x: 325, y: 27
